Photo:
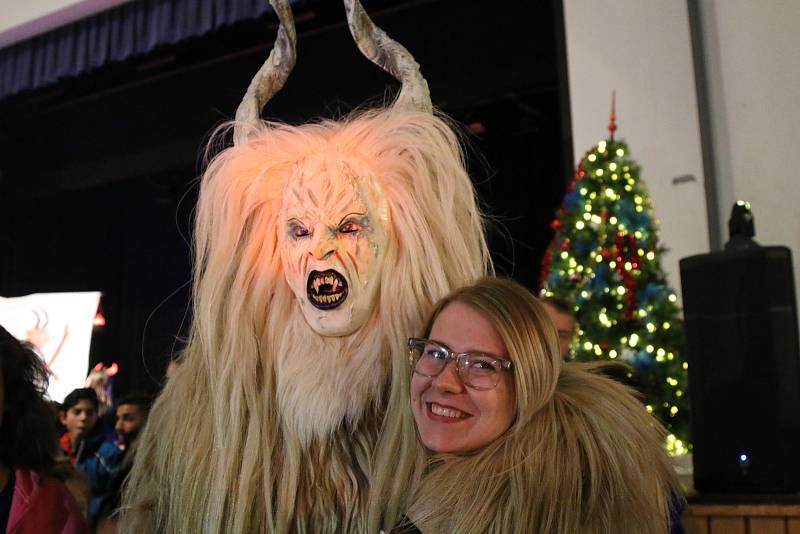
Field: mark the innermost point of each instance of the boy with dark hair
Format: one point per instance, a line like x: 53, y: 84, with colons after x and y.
x: 78, y: 415
x: 86, y: 445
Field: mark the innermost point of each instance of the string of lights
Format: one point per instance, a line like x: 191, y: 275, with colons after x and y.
x: 604, y: 258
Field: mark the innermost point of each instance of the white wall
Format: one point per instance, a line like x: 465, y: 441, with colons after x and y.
x: 21, y: 19
x: 753, y: 65
x: 642, y: 49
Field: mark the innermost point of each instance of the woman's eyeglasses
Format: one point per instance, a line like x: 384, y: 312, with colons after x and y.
x: 477, y: 370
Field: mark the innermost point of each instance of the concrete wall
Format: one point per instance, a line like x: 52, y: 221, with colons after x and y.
x: 642, y: 49
x: 752, y: 56
x: 21, y: 19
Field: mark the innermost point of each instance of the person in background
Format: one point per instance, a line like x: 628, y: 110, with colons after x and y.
x: 78, y: 415
x: 563, y: 316
x: 32, y: 500
x: 76, y: 481
x: 132, y: 412
x: 86, y: 445
x: 509, y: 438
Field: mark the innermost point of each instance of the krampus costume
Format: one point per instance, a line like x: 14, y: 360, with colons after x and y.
x: 319, y: 249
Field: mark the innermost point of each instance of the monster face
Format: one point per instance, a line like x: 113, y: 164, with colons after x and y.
x: 334, y: 241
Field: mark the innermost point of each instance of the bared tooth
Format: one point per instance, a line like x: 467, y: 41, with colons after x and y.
x: 335, y: 283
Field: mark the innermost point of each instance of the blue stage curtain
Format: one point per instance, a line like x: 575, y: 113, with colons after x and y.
x: 126, y: 31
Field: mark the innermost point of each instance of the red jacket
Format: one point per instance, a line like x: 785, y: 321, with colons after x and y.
x: 66, y: 445
x: 43, y: 505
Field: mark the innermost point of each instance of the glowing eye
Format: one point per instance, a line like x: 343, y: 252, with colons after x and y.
x: 349, y: 227
x: 300, y: 231
x: 297, y: 230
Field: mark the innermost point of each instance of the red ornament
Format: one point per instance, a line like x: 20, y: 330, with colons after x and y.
x: 627, y: 251
x: 612, y: 125
x: 545, y: 270
x: 565, y: 244
x: 556, y: 224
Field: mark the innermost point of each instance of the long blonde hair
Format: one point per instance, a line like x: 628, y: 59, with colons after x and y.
x: 582, y: 456
x: 230, y: 445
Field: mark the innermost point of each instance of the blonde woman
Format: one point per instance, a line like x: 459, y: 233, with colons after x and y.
x: 510, y: 439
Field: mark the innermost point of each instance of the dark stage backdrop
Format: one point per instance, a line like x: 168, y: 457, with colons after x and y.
x: 98, y: 173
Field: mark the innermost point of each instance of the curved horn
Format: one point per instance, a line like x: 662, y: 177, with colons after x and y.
x: 389, y: 55
x: 271, y: 76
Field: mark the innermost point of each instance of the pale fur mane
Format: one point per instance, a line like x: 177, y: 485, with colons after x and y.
x: 267, y: 426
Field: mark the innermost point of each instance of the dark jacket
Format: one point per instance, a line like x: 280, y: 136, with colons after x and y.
x: 100, y: 460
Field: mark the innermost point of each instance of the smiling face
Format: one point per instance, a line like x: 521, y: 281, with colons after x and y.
x: 333, y: 245
x: 450, y: 416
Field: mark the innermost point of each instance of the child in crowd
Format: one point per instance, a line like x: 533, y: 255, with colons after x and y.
x: 87, y: 446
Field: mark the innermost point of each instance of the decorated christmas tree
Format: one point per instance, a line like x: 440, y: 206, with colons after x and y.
x: 604, y: 259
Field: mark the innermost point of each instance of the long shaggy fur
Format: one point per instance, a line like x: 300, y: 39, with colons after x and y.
x: 268, y: 427
x: 582, y: 456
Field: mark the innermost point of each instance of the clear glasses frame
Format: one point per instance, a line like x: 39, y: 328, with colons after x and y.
x: 478, y: 370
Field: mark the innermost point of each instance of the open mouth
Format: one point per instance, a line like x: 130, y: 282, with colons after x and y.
x: 326, y: 289
x: 443, y: 411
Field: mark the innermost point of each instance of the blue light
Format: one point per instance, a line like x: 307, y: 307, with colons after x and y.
x: 743, y: 457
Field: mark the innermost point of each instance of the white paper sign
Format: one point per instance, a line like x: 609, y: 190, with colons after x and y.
x: 59, y: 325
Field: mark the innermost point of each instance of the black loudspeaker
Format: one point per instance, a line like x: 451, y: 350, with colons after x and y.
x: 744, y: 369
